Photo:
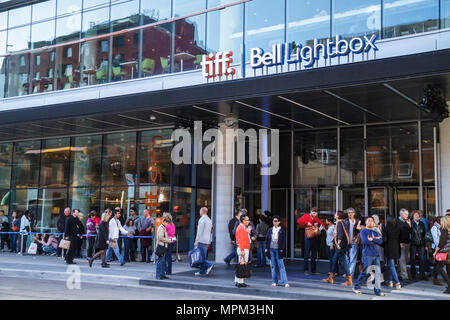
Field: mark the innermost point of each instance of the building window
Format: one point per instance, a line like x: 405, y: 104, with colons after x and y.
x: 37, y: 60
x: 104, y: 46
x: 69, y: 52
x: 22, y: 61
x: 37, y: 75
x: 50, y: 73
x: 67, y: 70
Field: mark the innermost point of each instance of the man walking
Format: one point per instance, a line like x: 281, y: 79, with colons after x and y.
x: 232, y: 225
x: 310, y: 220
x: 61, y: 225
x: 115, y: 228
x: 353, y: 225
x: 70, y: 233
x: 203, y: 240
x: 405, y: 233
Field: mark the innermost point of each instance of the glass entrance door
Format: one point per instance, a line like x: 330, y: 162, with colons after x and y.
x: 353, y: 198
x: 378, y: 202
x: 280, y: 205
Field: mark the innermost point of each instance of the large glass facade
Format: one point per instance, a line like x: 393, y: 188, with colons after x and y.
x: 178, y: 46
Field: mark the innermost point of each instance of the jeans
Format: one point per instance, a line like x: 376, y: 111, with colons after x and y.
x: 232, y: 254
x: 311, y: 246
x: 48, y: 249
x: 203, y: 249
x: 275, y: 257
x: 127, y: 242
x: 116, y: 251
x: 160, y: 263
x: 340, y: 255
x: 91, y: 242
x: 352, y: 257
x: 168, y: 258
x: 412, y: 261
x: 23, y: 243
x: 404, y: 252
x: 261, y: 257
x: 392, y: 275
x: 146, y: 253
x: 367, y: 262
x: 14, y: 242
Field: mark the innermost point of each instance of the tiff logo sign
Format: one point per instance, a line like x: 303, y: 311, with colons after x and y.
x: 217, y: 65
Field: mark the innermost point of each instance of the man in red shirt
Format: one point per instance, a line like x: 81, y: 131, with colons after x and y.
x: 311, y: 245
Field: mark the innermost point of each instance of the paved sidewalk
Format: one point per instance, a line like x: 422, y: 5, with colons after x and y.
x: 221, y: 279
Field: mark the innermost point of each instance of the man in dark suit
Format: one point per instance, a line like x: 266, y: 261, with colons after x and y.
x: 70, y: 233
x: 61, y: 225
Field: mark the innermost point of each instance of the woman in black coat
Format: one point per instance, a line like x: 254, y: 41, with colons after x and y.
x: 101, y: 241
x: 391, y: 240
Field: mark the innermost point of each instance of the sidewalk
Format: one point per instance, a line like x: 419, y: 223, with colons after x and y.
x: 221, y: 279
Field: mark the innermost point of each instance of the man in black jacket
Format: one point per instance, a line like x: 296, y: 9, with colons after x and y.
x: 418, y: 231
x: 405, y: 236
x: 70, y: 233
x: 61, y: 225
x: 231, y: 230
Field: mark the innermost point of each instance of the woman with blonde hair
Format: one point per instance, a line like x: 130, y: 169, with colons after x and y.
x: 444, y: 247
x: 170, y: 228
x: 102, y: 242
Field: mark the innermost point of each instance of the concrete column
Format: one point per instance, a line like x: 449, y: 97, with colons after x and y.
x: 223, y: 198
x: 444, y: 134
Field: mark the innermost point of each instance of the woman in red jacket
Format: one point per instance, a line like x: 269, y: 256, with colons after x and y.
x: 243, y: 246
x: 311, y: 244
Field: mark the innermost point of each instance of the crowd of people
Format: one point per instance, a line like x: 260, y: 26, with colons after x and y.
x: 354, y: 244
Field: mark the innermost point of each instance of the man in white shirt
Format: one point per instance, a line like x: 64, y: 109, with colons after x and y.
x: 115, y: 227
x: 203, y: 240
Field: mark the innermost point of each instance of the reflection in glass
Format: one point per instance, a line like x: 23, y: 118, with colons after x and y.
x: 154, y: 157
x: 69, y: 6
x: 19, y: 16
x: 225, y: 29
x: 354, y: 18
x: 352, y: 156
x: 401, y: 18
x: 315, y: 158
x: 3, y: 20
x: 44, y: 10
x: 392, y: 154
x: 445, y: 13
x: 190, y: 35
x: 119, y: 163
x: 51, y: 204
x: 156, y: 10
x: 430, y: 202
x: 427, y: 153
x: 2, y: 63
x: 156, y: 50
x: 18, y: 65
x: 182, y: 215
x: 5, y: 196
x: 158, y: 204
x: 24, y: 199
x: 26, y: 164
x: 264, y: 24
x: 6, y: 150
x: 408, y: 198
x: 307, y: 20
x: 86, y: 155
x: 122, y: 197
x: 55, y: 162
x: 85, y: 199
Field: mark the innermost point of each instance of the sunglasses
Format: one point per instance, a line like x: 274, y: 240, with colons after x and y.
x: 276, y: 221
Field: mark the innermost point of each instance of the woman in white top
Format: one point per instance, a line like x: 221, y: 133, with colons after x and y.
x: 25, y: 226
x: 436, y: 233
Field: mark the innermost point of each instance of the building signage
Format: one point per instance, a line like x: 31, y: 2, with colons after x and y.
x: 218, y: 64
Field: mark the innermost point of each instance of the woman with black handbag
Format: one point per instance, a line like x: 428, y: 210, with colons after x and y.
x: 162, y: 244
x: 243, y: 249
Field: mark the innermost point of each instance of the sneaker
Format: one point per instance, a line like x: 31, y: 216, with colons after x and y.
x: 391, y: 284
x: 244, y: 285
x: 356, y: 290
x: 307, y: 273
x: 398, y: 286
x: 198, y: 273
x: 287, y: 285
x: 164, y: 277
x: 380, y: 294
x: 208, y: 271
x: 274, y: 284
x: 227, y: 262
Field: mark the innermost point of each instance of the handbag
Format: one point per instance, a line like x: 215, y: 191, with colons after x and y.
x: 160, y: 250
x: 312, y: 232
x: 441, y: 256
x: 113, y: 244
x: 243, y: 271
x: 64, y: 244
x: 196, y: 258
x: 33, y: 248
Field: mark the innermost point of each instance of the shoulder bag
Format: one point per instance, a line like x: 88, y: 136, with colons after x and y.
x: 312, y: 232
x: 243, y: 271
x: 441, y: 256
x: 64, y: 244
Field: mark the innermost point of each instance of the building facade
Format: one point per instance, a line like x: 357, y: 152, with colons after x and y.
x: 92, y: 91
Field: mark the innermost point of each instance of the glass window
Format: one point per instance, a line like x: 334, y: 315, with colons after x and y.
x: 42, y: 34
x: 307, y: 20
x: 427, y: 153
x: 55, y: 162
x: 392, y: 154
x: 51, y: 204
x: 182, y: 215
x: 282, y: 179
x: 88, y: 4
x: 225, y: 30
x: 401, y: 18
x: 3, y: 62
x: 19, y: 16
x: 154, y: 157
x: 6, y: 150
x: 119, y: 163
x: 85, y: 199
x: 356, y: 17
x: 68, y: 28
x: 86, y: 160
x: 156, y: 50
x: 69, y: 6
x: 122, y: 197
x: 19, y: 39
x: 25, y: 199
x: 124, y: 15
x: 445, y: 13
x: 26, y: 164
x: 95, y: 22
x: 154, y: 198
x: 3, y: 20
x: 44, y: 10
x: 264, y: 24
x: 5, y: 195
x: 352, y: 156
x: 18, y: 65
x: 155, y: 10
x: 315, y: 158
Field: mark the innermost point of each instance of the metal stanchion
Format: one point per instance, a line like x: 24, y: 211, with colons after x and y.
x: 21, y: 243
x: 178, y: 254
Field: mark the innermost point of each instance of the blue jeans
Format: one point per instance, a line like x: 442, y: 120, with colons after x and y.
x: 275, y: 257
x: 128, y: 244
x: 352, y: 257
x: 14, y: 242
x: 342, y: 257
x: 232, y: 255
x: 412, y: 261
x: 116, y: 252
x: 311, y: 246
x: 49, y: 249
x: 367, y: 262
x: 261, y: 257
x: 168, y: 258
x: 330, y: 254
x: 160, y: 264
x: 392, y: 274
x: 204, y: 249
